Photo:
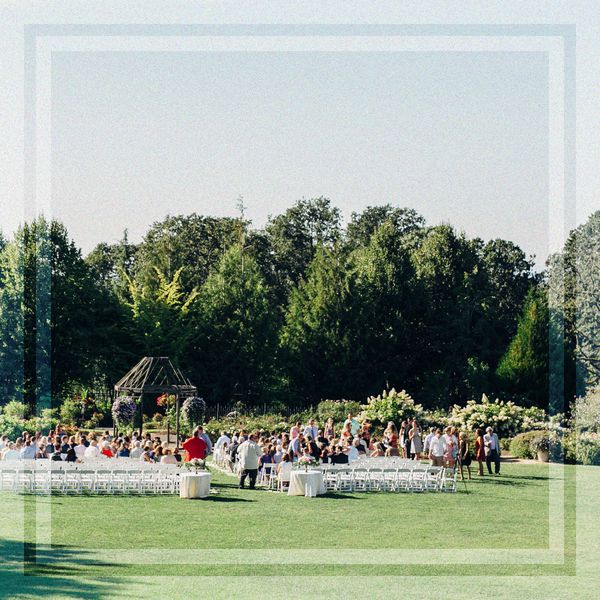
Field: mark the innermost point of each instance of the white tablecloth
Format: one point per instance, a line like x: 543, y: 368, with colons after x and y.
x: 194, y: 485
x: 306, y: 483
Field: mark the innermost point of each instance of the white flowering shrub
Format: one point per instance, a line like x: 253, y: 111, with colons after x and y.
x: 505, y: 417
x: 391, y: 406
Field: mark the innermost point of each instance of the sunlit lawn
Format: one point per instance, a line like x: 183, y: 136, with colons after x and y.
x: 509, y: 511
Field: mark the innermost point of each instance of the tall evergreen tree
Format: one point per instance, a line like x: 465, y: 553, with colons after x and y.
x: 524, y: 368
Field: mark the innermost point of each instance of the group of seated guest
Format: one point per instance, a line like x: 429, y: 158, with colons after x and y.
x: 82, y: 447
x: 320, y: 444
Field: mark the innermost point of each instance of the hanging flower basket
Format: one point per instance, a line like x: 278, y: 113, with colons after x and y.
x: 124, y: 409
x: 193, y: 411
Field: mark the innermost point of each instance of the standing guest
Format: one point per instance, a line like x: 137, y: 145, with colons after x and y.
x: 311, y: 430
x: 354, y: 424
x: 416, y: 445
x: 3, y: 442
x: 390, y: 439
x: 204, y: 436
x: 464, y: 455
x: 428, y: 439
x: 194, y: 447
x: 403, y: 439
x: 451, y: 449
x: 437, y: 449
x: 479, y: 450
x: 492, y: 451
x: 346, y: 434
x: 223, y: 439
x: 235, y: 443
x: 295, y: 430
x: 295, y: 448
x: 248, y: 454
x: 329, y: 430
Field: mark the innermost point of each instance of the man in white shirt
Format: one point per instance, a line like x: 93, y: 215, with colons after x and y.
x: 311, y: 429
x: 437, y: 449
x: 428, y: 439
x: 492, y: 451
x: 223, y: 439
x: 92, y: 451
x: 248, y: 455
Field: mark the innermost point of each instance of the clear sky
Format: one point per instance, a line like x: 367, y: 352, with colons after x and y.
x: 461, y: 137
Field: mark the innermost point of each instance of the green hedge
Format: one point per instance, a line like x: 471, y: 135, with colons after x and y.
x: 521, y: 447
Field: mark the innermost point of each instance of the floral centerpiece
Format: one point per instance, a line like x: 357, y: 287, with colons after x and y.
x: 306, y: 462
x: 196, y: 464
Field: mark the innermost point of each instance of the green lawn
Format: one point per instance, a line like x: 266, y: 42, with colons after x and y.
x: 97, y: 537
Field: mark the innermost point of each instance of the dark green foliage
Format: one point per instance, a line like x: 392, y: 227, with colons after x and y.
x: 524, y: 367
x: 297, y: 312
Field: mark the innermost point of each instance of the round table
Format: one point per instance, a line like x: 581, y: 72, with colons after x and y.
x: 306, y: 483
x: 194, y: 485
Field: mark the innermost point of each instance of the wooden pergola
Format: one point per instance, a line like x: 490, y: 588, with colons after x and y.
x: 156, y: 375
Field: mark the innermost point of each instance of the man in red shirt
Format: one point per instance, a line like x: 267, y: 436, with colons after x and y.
x: 194, y: 447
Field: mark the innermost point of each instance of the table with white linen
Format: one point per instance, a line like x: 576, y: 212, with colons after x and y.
x: 306, y: 483
x: 194, y: 485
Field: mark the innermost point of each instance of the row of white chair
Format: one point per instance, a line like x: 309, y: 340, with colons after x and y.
x: 106, y: 479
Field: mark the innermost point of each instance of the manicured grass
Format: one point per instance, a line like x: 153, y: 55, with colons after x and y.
x: 510, y: 511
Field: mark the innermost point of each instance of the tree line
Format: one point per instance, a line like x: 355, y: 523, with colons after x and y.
x: 303, y: 309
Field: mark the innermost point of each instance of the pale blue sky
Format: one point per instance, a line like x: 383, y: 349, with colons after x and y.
x: 461, y: 137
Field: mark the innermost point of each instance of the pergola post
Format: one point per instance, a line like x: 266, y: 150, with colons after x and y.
x: 177, y: 401
x: 141, y: 414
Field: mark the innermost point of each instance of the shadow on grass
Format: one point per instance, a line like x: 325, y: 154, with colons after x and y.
x: 27, y: 569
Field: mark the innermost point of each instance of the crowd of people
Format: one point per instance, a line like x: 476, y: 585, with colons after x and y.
x: 60, y: 446
x: 252, y: 451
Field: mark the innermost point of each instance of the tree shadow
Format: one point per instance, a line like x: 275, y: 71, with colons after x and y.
x: 54, y: 571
